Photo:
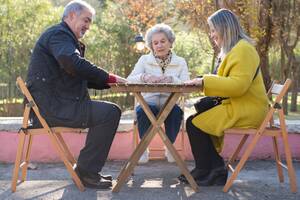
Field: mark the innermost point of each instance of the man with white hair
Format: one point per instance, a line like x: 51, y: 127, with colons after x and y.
x: 59, y: 77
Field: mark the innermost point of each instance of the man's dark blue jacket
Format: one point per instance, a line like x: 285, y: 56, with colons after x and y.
x: 59, y: 77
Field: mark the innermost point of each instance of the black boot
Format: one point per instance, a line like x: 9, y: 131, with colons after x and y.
x: 196, y: 174
x: 217, y: 176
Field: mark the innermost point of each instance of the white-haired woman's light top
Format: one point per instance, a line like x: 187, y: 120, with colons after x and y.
x: 147, y: 64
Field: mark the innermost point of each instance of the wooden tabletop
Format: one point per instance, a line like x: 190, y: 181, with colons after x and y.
x: 157, y: 87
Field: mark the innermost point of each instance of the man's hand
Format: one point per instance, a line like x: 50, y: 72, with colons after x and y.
x: 120, y: 79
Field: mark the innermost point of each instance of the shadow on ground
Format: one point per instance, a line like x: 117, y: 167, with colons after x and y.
x: 154, y: 180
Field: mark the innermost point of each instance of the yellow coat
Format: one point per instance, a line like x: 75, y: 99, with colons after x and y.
x: 247, y: 104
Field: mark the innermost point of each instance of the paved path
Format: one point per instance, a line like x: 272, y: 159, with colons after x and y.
x: 155, y: 180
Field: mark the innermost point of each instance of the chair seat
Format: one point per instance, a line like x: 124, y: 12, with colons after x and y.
x: 37, y: 131
x: 270, y: 131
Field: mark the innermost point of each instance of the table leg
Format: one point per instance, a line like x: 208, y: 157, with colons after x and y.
x: 170, y: 104
x: 145, y: 141
x: 128, y: 168
x: 164, y: 113
x: 184, y: 170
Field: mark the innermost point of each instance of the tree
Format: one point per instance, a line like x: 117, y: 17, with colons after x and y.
x: 142, y: 14
x: 195, y: 14
x: 287, y: 19
x: 264, y: 36
x: 21, y: 23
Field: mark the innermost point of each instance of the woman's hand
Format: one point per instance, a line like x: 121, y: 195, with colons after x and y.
x: 165, y: 79
x: 148, y: 78
x: 195, y: 81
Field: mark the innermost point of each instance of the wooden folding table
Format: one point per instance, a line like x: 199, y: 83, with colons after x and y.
x: 175, y: 90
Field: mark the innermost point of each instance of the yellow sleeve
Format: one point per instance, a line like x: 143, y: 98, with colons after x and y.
x: 239, y: 67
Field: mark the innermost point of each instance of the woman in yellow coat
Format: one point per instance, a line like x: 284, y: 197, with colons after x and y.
x: 238, y: 80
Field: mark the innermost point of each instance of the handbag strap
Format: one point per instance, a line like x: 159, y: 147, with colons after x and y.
x: 257, y: 70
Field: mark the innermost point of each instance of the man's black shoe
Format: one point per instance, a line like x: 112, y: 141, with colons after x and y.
x: 95, y: 183
x: 106, y: 177
x: 91, y: 180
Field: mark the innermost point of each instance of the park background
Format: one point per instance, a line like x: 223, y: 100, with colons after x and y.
x: 274, y: 24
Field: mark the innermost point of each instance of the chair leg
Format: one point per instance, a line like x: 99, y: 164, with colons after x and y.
x: 277, y: 159
x: 66, y: 148
x: 241, y: 163
x: 236, y: 152
x: 24, y: 165
x: 135, y: 135
x: 182, y: 141
x: 291, y: 171
x: 288, y: 155
x: 19, y: 155
x: 58, y: 146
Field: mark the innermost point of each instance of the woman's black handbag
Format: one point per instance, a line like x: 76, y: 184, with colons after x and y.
x: 207, y: 103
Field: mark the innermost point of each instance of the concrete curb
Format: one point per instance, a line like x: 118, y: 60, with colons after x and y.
x: 12, y: 124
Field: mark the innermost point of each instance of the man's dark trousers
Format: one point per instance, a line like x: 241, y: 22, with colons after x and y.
x: 103, y: 122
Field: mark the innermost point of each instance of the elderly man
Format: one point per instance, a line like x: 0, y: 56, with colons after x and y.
x: 58, y: 78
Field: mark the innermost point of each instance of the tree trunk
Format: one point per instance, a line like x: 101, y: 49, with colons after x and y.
x: 265, y: 24
x: 284, y: 76
x: 293, y: 107
x: 295, y: 85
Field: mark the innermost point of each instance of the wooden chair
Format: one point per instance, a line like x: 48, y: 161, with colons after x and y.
x: 160, y: 149
x: 266, y: 128
x: 54, y: 134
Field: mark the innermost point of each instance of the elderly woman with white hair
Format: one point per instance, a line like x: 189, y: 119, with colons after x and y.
x: 161, y: 65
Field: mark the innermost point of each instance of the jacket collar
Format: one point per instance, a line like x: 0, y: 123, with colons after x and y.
x: 68, y: 30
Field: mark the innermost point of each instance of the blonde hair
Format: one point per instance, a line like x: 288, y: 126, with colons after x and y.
x: 226, y: 23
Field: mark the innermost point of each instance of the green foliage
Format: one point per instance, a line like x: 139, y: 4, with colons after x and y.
x: 110, y: 42
x: 21, y: 23
x: 195, y: 48
x: 274, y: 61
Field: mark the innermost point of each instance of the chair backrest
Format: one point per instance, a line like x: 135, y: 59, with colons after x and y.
x: 279, y: 91
x: 30, y: 105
